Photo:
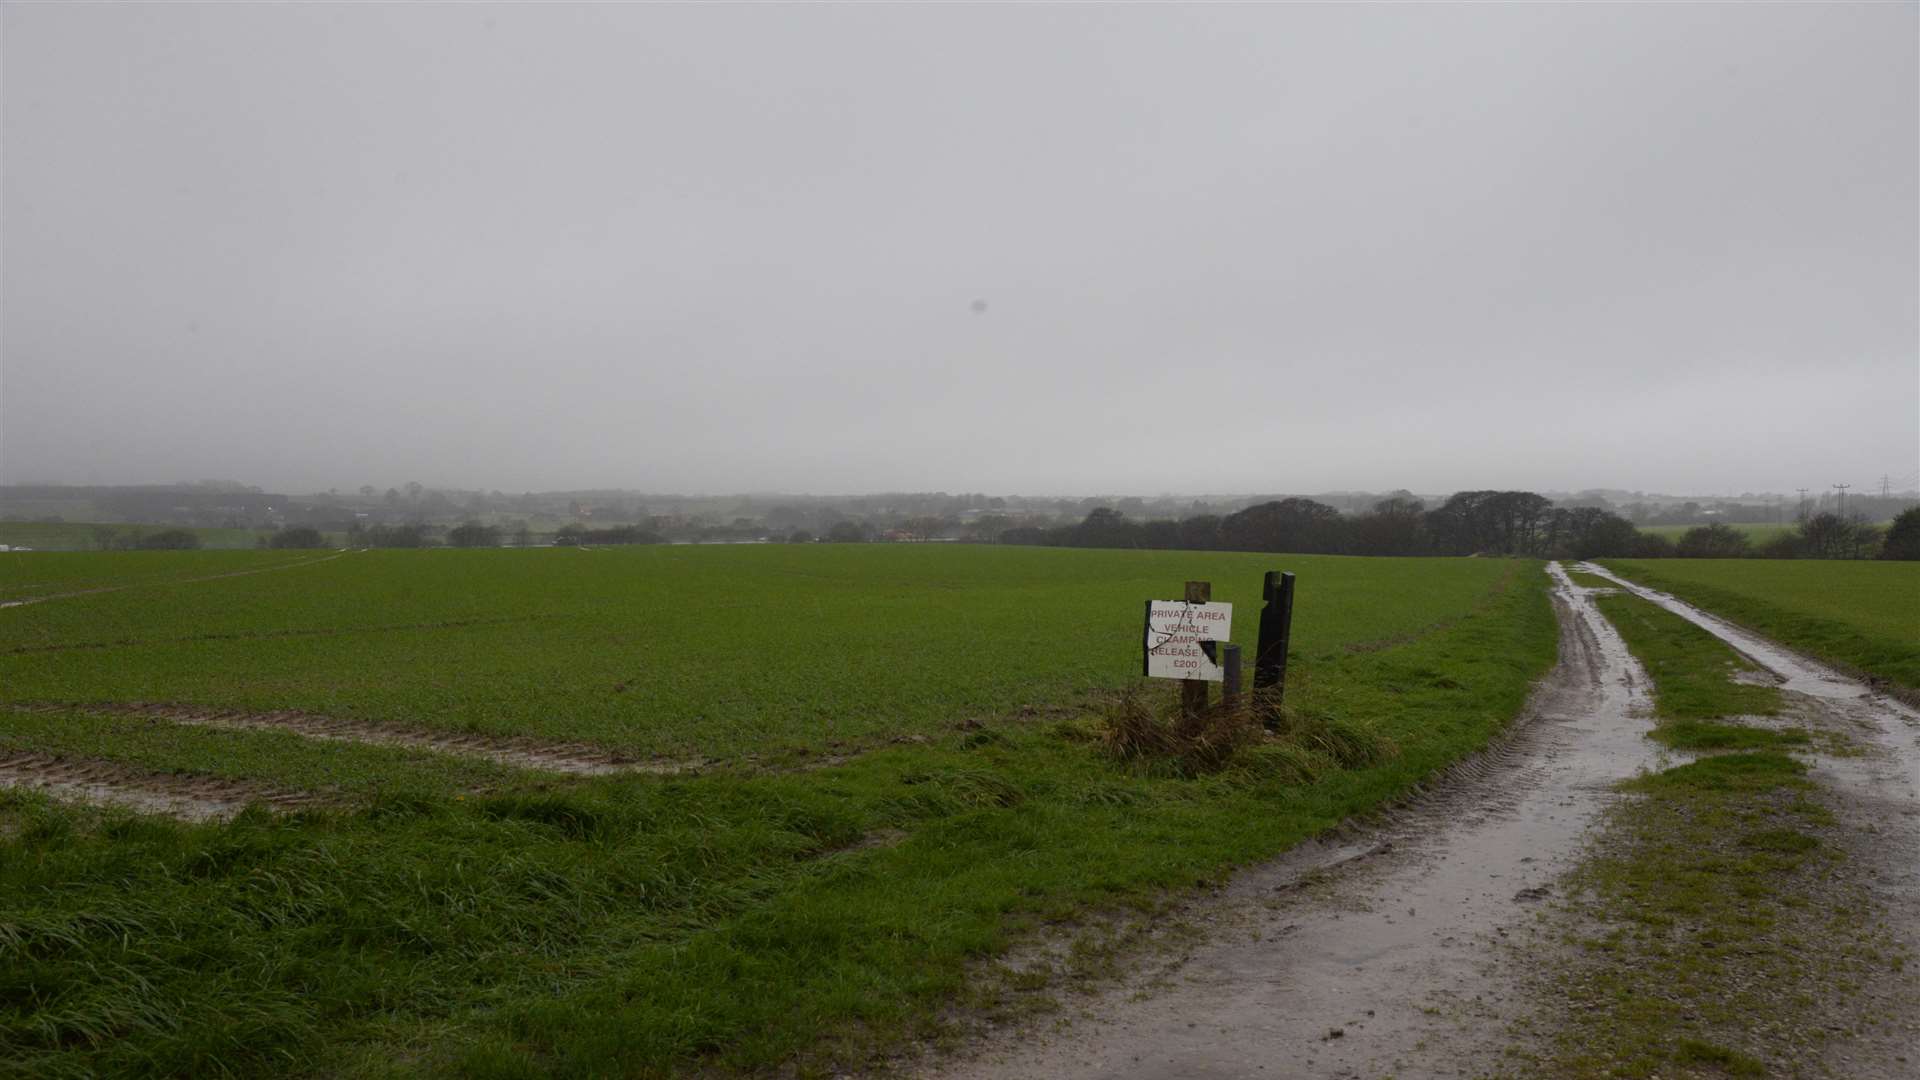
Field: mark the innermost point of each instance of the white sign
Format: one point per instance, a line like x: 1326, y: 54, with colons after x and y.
x: 1175, y: 630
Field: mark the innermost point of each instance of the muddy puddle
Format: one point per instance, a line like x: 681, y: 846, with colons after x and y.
x: 104, y: 783
x: 1374, y: 955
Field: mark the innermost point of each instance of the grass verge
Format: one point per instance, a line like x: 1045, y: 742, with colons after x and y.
x: 1719, y: 932
x: 641, y: 926
x: 1693, y: 684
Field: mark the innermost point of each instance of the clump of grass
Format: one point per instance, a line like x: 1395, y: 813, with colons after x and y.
x: 1257, y: 729
x: 1139, y: 726
x: 1697, y: 1052
x: 1749, y: 772
x: 1708, y: 735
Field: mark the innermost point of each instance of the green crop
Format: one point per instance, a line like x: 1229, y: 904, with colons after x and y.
x: 685, y: 651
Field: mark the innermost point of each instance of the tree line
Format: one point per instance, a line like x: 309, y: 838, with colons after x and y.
x: 1467, y: 523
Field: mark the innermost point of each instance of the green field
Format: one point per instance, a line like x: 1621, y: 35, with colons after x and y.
x: 903, y: 776
x: 671, y: 650
x: 1863, y: 615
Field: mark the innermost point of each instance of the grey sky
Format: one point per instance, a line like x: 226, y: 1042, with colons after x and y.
x: 698, y: 248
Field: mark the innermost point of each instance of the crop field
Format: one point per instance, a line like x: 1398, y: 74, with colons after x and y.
x: 670, y: 651
x: 633, y: 811
x: 1862, y: 614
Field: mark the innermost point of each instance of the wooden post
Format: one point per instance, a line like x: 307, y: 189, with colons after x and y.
x: 1276, y: 633
x: 1193, y: 692
x: 1230, y: 664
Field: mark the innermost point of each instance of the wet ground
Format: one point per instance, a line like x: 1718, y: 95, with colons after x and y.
x: 1393, y: 952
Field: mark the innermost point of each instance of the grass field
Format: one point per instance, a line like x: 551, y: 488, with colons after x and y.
x: 1863, y: 615
x: 445, y: 914
x: 689, y: 651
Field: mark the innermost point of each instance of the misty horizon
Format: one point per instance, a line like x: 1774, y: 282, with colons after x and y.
x: 875, y: 249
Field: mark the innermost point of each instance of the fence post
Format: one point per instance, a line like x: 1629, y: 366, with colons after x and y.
x: 1276, y: 630
x: 1193, y: 692
x: 1230, y: 664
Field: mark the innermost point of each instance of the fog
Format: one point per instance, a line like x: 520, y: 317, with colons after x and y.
x: 970, y: 248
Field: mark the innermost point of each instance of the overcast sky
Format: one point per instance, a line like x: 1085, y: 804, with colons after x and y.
x: 1008, y: 248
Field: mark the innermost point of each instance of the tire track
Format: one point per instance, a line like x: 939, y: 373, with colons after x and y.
x: 573, y: 759
x: 174, y: 581
x: 109, y: 783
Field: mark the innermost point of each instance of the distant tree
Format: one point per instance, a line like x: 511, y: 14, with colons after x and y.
x: 1903, y: 536
x: 1161, y: 534
x: 800, y: 536
x: 395, y: 536
x: 414, y: 489
x: 472, y: 534
x: 1394, y: 527
x: 302, y: 536
x: 367, y: 490
x: 105, y: 537
x: 392, y: 496
x: 1200, y: 533
x: 846, y: 532
x: 926, y: 526
x: 988, y: 527
x: 1301, y: 525
x: 1104, y: 527
x: 1589, y: 532
x: 1830, y: 536
x: 1714, y: 541
x: 1652, y: 546
x: 169, y: 540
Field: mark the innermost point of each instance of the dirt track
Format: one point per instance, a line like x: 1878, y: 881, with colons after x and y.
x: 1383, y: 956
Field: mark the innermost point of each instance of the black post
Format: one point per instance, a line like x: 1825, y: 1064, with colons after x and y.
x: 1276, y: 629
x: 1230, y: 663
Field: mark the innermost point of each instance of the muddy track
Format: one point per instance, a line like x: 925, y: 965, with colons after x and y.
x: 574, y: 759
x: 107, y: 783
x: 1373, y: 953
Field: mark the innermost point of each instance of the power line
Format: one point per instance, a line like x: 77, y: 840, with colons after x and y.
x: 1843, y: 498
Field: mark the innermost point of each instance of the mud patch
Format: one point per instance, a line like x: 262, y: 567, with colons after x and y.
x: 107, y: 783
x: 574, y: 759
